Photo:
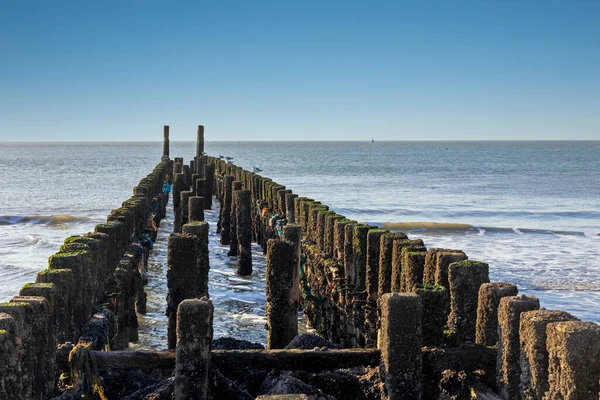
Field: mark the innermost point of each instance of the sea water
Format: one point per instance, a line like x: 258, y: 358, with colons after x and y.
x: 528, y: 209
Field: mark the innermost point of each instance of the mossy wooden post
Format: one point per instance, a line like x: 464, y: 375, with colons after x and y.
x: 77, y: 262
x: 534, y: 356
x: 359, y: 295
x: 196, y: 209
x: 165, y: 151
x: 199, y: 229
x: 465, y: 279
x: 444, y: 258
x: 372, y: 283
x: 399, y: 248
x: 195, y: 178
x: 488, y: 299
x: 243, y: 232
x: 400, y: 342
x: 194, y: 341
x: 10, y: 381
x: 338, y: 239
x: 62, y: 279
x: 233, y: 245
x: 209, y: 176
x: 185, y: 206
x: 48, y: 292
x: 359, y: 243
x: 35, y: 355
x: 413, y: 262
x: 329, y: 237
x: 320, y: 231
x: 188, y: 176
x: 349, y: 254
x: 282, y: 313
x: 290, y: 208
x: 178, y: 187
x: 281, y: 200
x: 434, y: 300
x: 508, y: 369
x: 226, y: 210
x: 182, y: 277
x: 292, y: 233
x: 200, y: 187
x: 200, y: 142
x: 385, y: 260
x: 574, y: 366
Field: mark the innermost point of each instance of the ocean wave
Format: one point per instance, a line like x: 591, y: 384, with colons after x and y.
x: 482, y: 230
x: 41, y: 219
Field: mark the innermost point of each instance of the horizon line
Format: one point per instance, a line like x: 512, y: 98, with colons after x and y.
x: 299, y: 141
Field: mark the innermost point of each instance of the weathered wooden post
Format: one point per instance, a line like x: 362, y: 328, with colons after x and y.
x: 200, y: 142
x: 178, y: 187
x: 194, y: 341
x: 534, y: 355
x: 200, y: 184
x: 243, y: 232
x: 292, y: 233
x: 31, y: 317
x: 10, y: 381
x: 199, y: 229
x: 434, y: 301
x: 413, y: 262
x: 226, y: 210
x: 185, y: 205
x: 488, y: 299
x: 400, y: 247
x: 465, y: 279
x: 508, y: 370
x: 233, y: 245
x: 196, y: 209
x: 166, y: 141
x: 182, y: 277
x: 400, y: 342
x: 385, y: 260
x: 282, y: 313
x: 372, y: 283
x: 209, y: 177
x: 443, y: 260
x: 574, y: 360
x: 289, y: 207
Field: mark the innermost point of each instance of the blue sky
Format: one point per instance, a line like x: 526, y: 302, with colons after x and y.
x: 299, y: 70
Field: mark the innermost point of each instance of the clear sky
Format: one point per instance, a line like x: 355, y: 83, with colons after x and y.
x: 299, y: 70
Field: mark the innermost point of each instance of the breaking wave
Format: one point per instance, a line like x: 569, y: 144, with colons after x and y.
x: 41, y: 219
x: 451, y: 227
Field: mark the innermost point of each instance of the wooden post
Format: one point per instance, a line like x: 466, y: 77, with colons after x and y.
x: 488, y: 299
x: 574, y: 354
x: 226, y: 210
x: 199, y: 229
x: 243, y: 232
x: 465, y: 279
x: 534, y: 356
x: 182, y: 277
x: 508, y: 369
x: 209, y: 177
x: 165, y: 151
x: 200, y: 142
x: 194, y: 341
x: 233, y: 245
x: 400, y: 343
x: 196, y: 209
x: 282, y: 313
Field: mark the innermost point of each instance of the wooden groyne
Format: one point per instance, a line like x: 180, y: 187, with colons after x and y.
x: 394, y: 319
